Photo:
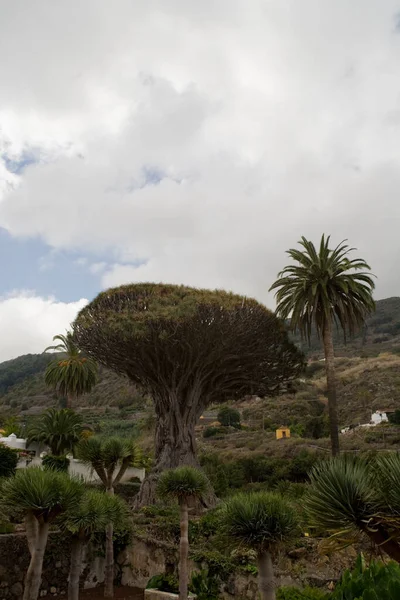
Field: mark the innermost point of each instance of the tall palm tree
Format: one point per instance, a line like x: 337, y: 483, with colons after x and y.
x: 41, y: 496
x: 260, y: 521
x: 349, y: 496
x: 92, y: 515
x: 323, y: 288
x: 73, y: 374
x: 60, y: 430
x: 184, y: 484
x: 109, y: 458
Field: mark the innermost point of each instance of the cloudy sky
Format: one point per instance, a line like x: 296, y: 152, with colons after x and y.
x: 189, y: 142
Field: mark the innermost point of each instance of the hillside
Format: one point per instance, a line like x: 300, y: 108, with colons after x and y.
x: 367, y: 381
x: 382, y: 333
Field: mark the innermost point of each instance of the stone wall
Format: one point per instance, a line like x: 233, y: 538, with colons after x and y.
x: 14, y: 562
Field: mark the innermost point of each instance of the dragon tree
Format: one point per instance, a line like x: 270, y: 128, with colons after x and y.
x: 188, y: 348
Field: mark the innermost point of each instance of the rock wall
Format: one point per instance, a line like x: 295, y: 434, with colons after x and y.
x: 14, y: 562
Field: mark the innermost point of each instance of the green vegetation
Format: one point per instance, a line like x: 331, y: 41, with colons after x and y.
x: 8, y: 461
x: 56, y: 463
x: 14, y: 371
x: 145, y: 330
x: 307, y: 593
x: 41, y: 496
x: 229, y: 417
x: 323, y: 288
x: 260, y: 521
x: 185, y: 484
x: 351, y: 495
x: 109, y: 458
x: 378, y: 581
x: 58, y: 429
x: 72, y: 375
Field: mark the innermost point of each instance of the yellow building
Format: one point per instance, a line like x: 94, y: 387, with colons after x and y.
x: 282, y: 432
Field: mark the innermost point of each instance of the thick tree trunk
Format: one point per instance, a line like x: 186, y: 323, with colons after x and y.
x: 34, y: 574
x: 175, y: 444
x: 266, y: 576
x: 31, y: 528
x: 331, y: 382
x: 183, y: 550
x: 75, y: 568
x: 109, y: 568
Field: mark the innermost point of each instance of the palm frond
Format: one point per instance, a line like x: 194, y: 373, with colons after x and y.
x: 58, y: 429
x: 183, y: 483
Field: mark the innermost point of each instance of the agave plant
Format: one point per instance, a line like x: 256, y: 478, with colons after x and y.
x: 183, y: 484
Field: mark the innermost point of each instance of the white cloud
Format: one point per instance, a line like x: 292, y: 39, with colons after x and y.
x: 264, y: 120
x: 29, y: 322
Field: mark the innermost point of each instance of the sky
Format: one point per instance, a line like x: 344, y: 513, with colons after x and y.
x: 189, y: 142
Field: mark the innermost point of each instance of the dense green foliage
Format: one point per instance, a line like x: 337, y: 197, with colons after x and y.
x: 307, y: 593
x: 233, y: 475
x: 349, y: 495
x: 378, y: 581
x: 56, y: 463
x: 259, y: 520
x: 229, y: 417
x: 164, y: 583
x: 205, y: 586
x: 183, y: 483
x: 8, y: 461
x: 394, y: 418
x: 59, y: 429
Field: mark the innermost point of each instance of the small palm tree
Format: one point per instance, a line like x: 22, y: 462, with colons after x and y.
x: 72, y: 375
x: 41, y: 496
x: 184, y: 484
x: 109, y: 458
x: 260, y: 521
x: 60, y: 430
x: 92, y: 515
x: 349, y: 495
x: 323, y: 288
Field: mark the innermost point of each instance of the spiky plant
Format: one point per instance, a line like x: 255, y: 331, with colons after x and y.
x: 348, y: 495
x: 41, y: 496
x: 324, y: 287
x: 74, y: 373
x: 260, y: 521
x: 59, y: 429
x: 109, y: 458
x: 183, y: 484
x: 92, y: 515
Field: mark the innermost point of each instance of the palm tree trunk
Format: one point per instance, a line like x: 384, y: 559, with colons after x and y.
x: 75, y: 568
x: 109, y: 569
x: 331, y: 382
x: 266, y: 576
x: 183, y: 550
x: 31, y: 528
x: 34, y: 574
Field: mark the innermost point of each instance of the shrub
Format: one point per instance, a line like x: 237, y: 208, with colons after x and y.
x: 164, y: 583
x: 394, y: 418
x: 229, y: 417
x: 211, y: 432
x: 8, y: 461
x: 205, y: 586
x: 307, y: 593
x: 377, y: 582
x: 55, y: 463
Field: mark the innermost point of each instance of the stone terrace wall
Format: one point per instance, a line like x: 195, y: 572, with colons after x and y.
x: 14, y: 562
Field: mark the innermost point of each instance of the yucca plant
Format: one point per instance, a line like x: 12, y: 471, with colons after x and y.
x: 349, y: 496
x: 183, y: 484
x: 109, y: 458
x: 41, y: 496
x: 323, y: 288
x: 95, y: 511
x: 260, y: 521
x: 73, y: 374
